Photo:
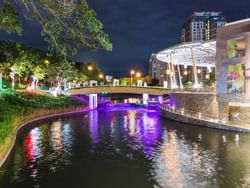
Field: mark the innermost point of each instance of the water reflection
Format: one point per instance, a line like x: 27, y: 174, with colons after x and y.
x: 150, y: 133
x: 179, y: 164
x: 138, y: 128
x: 56, y: 136
x: 32, y: 147
x: 49, y: 145
x: 127, y: 142
x: 93, y: 126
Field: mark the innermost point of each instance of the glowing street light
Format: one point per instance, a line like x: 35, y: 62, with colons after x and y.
x: 46, y: 62
x: 138, y: 74
x: 90, y: 68
x: 207, y: 76
x: 100, y: 76
x: 199, y: 71
x: 185, y: 72
x: 167, y: 71
x: 132, y: 72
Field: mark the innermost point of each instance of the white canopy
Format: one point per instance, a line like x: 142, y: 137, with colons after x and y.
x: 182, y: 54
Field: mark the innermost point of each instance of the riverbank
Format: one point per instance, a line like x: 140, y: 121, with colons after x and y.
x: 200, y: 119
x: 20, y: 109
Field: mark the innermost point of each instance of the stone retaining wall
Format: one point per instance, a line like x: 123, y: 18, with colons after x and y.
x: 204, y: 103
x: 239, y: 114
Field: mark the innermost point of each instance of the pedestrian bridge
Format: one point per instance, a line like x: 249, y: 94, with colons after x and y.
x: 159, y: 91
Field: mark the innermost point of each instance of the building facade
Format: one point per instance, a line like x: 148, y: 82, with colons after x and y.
x: 157, y: 69
x: 202, y: 26
x: 233, y: 71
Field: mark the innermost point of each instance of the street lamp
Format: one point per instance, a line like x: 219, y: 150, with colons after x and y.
x: 46, y: 62
x: 132, y: 72
x: 185, y: 72
x: 138, y: 74
x: 101, y: 76
x: 90, y: 68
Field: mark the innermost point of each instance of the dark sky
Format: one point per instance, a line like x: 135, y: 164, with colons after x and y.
x: 138, y: 28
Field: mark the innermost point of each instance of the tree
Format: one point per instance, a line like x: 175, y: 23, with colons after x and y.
x: 90, y: 69
x: 9, y: 51
x: 67, y: 25
x: 39, y: 72
x: 154, y: 82
x: 9, y: 19
x: 58, y: 70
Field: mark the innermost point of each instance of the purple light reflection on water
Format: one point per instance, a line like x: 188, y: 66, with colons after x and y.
x: 150, y: 133
x: 93, y: 126
x: 141, y: 125
x: 126, y: 147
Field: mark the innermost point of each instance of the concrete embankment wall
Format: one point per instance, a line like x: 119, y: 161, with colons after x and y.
x: 239, y: 114
x: 204, y: 103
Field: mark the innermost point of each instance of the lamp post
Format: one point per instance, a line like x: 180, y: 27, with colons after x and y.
x: 132, y: 72
x: 139, y: 82
x: 101, y: 78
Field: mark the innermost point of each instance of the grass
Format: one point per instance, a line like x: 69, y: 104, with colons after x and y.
x: 17, y: 107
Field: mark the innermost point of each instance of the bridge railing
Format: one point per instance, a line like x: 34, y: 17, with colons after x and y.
x: 191, y: 90
x: 153, y: 87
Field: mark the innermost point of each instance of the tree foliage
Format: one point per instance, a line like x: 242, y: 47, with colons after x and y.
x: 9, y: 19
x: 50, y: 68
x: 67, y: 25
x: 92, y: 74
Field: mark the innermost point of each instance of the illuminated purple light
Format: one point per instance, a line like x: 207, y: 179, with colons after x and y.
x: 139, y: 124
x: 93, y: 126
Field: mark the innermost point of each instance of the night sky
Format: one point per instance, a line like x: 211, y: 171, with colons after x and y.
x: 138, y: 28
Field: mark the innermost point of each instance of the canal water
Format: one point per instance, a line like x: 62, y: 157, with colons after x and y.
x: 126, y: 147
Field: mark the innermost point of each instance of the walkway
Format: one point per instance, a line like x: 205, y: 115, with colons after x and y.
x: 119, y: 89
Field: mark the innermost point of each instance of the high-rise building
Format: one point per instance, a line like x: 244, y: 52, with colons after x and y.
x: 202, y: 26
